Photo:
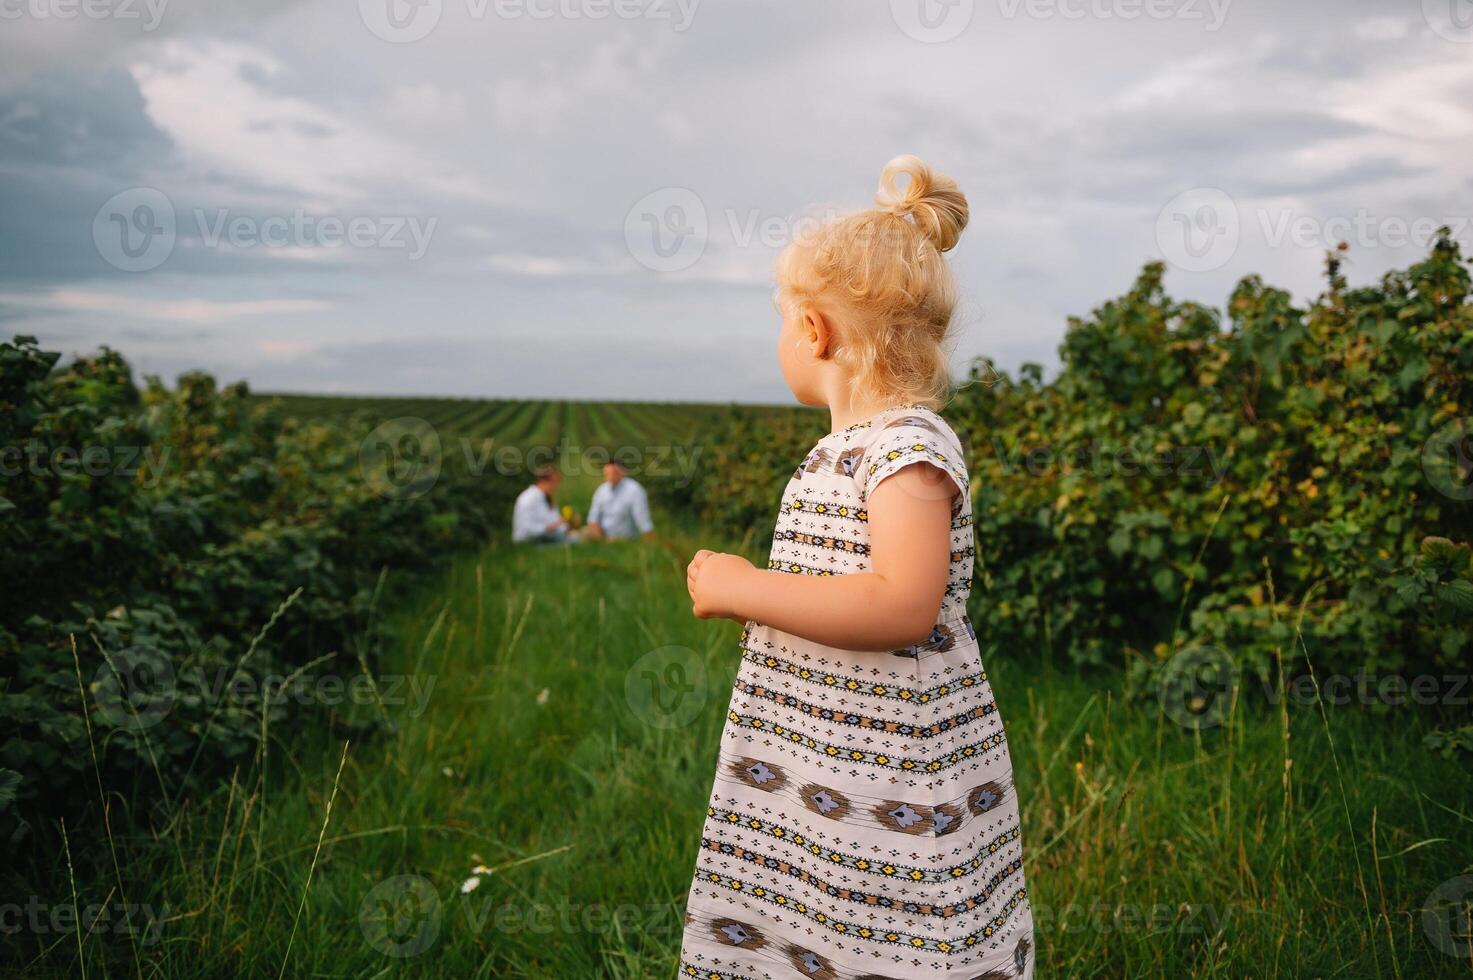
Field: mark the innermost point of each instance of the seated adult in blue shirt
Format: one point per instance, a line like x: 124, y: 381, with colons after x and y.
x: 535, y: 516
x: 620, y: 507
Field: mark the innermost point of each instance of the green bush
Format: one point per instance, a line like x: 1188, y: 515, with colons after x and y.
x: 1183, y: 483
x: 163, y: 529
x: 1188, y: 482
x: 745, y: 458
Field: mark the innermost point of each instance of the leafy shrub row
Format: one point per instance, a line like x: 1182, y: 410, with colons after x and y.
x: 164, y: 529
x: 1189, y: 482
x: 746, y: 457
x: 1185, y: 481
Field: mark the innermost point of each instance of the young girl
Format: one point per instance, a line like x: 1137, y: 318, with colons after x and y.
x: 862, y: 823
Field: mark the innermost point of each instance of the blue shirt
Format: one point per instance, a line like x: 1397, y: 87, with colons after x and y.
x: 622, y: 511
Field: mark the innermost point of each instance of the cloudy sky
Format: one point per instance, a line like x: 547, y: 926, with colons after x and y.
x: 583, y: 198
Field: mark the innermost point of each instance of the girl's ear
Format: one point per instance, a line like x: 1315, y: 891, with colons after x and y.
x: 817, y: 333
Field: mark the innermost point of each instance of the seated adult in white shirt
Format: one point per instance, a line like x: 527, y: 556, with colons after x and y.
x: 535, y: 516
x: 620, y: 508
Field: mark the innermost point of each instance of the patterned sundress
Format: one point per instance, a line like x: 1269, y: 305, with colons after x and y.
x: 862, y: 823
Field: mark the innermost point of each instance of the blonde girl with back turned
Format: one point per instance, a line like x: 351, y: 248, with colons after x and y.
x: 862, y: 821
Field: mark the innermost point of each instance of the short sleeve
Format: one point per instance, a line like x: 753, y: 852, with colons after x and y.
x: 909, y: 440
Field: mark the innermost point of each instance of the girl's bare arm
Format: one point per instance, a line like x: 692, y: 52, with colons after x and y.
x: 893, y: 605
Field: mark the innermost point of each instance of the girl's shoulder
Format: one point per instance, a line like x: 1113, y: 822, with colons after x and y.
x: 901, y: 437
x: 911, y: 422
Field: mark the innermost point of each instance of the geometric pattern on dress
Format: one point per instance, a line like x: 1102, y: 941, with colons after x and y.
x: 863, y: 823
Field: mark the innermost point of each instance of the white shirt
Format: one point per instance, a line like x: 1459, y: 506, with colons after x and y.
x: 622, y: 511
x: 532, y: 514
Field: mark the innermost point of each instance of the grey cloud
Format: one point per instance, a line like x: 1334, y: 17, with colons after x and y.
x: 87, y: 120
x: 530, y: 141
x: 30, y: 45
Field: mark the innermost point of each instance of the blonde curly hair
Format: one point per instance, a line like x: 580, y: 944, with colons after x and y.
x: 882, y: 274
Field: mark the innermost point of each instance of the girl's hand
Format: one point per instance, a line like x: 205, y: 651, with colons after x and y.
x: 712, y: 578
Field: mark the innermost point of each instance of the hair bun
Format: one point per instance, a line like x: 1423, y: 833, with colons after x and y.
x: 932, y: 200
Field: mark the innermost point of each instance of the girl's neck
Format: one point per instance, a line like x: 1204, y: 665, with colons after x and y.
x: 844, y: 411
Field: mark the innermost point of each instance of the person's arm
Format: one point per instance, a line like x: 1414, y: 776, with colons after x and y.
x: 640, y: 510
x: 893, y: 605
x: 549, y: 510
x: 594, y: 525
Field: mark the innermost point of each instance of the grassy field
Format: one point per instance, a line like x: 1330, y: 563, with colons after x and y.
x: 552, y: 716
x: 1277, y: 846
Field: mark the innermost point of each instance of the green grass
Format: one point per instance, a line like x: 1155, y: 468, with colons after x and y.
x: 1258, y: 849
